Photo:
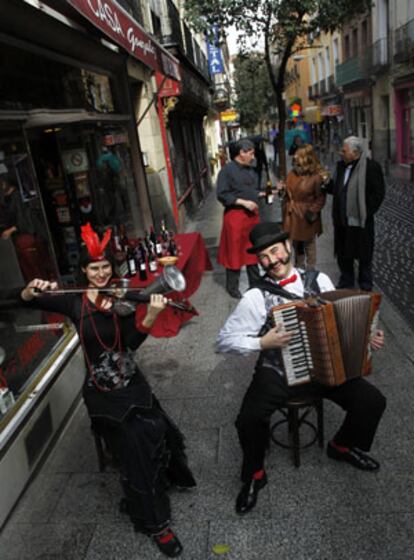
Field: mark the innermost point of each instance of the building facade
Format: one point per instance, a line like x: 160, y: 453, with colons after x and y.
x: 73, y: 81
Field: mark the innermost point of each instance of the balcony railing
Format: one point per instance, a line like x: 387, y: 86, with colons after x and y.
x: 404, y: 42
x: 315, y: 90
x: 184, y: 41
x: 322, y: 87
x: 380, y: 55
x: 175, y: 37
x: 201, y: 60
x: 354, y: 69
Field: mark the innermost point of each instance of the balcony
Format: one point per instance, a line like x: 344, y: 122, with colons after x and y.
x: 354, y: 69
x: 380, y: 55
x: 322, y: 87
x: 180, y: 37
x: 404, y: 42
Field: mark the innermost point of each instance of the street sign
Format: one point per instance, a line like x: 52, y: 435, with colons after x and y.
x: 229, y: 115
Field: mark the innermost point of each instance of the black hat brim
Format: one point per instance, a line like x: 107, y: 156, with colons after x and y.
x: 267, y: 240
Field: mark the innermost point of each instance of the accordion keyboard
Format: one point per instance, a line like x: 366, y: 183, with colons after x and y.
x: 296, y: 356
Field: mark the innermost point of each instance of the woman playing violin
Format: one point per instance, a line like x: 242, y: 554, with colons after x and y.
x: 120, y: 403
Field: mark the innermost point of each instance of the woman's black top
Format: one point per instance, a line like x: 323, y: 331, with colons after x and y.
x: 113, y: 382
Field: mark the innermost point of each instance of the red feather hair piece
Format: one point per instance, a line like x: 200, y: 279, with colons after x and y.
x: 96, y: 248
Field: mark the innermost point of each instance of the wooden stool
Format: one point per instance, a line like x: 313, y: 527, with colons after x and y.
x: 295, y: 412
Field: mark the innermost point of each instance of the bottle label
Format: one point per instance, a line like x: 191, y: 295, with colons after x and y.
x: 143, y: 266
x: 153, y: 266
x: 132, y: 266
x: 269, y: 198
x: 158, y: 248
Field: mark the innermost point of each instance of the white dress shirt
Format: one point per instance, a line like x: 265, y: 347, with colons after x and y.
x: 239, y: 334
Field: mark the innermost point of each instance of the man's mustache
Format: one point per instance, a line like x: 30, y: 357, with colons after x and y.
x: 279, y: 261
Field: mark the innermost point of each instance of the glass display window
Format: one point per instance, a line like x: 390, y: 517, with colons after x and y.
x: 85, y: 175
x: 27, y: 337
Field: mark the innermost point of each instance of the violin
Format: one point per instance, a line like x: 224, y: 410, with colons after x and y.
x: 124, y: 298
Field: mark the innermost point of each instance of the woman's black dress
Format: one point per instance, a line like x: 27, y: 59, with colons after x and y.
x: 124, y: 410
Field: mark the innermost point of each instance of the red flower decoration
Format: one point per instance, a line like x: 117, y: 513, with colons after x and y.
x: 95, y: 247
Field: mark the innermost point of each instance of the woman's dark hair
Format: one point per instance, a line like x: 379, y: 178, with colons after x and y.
x: 85, y: 259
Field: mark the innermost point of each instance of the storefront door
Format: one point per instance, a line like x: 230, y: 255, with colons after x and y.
x: 408, y: 134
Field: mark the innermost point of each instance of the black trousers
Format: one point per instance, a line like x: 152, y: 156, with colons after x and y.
x: 364, y: 405
x: 233, y: 277
x: 347, y: 278
x: 355, y: 244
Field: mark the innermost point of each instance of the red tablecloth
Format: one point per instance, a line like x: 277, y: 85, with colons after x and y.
x: 193, y: 260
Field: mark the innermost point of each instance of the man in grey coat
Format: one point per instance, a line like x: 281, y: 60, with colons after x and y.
x: 358, y: 189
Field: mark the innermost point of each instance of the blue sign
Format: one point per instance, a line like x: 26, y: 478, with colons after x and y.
x: 215, y: 59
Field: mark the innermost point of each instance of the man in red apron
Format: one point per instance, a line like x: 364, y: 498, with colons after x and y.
x: 238, y: 191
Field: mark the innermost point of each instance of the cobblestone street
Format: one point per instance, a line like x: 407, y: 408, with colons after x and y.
x: 394, y: 255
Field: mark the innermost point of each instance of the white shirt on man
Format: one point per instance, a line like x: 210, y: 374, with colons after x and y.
x: 239, y: 334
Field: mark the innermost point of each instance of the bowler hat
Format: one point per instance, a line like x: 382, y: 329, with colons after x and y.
x: 265, y: 234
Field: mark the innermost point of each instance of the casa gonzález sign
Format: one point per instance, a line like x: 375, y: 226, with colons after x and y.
x: 117, y: 24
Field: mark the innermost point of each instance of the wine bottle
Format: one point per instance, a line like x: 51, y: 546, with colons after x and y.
x: 172, y: 247
x: 164, y: 232
x: 130, y: 258
x: 148, y: 242
x: 153, y: 237
x: 269, y: 192
x: 116, y: 240
x: 124, y: 241
x: 142, y: 264
x: 158, y: 247
x: 152, y: 262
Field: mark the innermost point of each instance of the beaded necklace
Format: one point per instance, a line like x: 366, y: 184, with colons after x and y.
x: 116, y: 343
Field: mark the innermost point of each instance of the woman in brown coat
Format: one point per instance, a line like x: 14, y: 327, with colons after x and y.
x: 303, y: 203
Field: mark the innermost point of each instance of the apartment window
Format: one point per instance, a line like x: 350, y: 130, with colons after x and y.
x: 364, y: 34
x: 347, y: 47
x: 320, y: 67
x: 313, y: 71
x: 335, y: 54
x: 327, y: 61
x: 156, y: 26
x: 355, y: 42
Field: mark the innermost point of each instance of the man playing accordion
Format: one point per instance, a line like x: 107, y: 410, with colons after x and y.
x: 245, y: 332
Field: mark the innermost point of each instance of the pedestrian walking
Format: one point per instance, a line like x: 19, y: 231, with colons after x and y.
x: 303, y: 202
x: 238, y: 191
x: 120, y: 403
x: 358, y: 189
x: 248, y: 331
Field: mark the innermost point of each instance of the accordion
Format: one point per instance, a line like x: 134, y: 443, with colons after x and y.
x: 332, y: 334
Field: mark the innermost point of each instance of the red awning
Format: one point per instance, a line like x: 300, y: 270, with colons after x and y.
x: 117, y: 24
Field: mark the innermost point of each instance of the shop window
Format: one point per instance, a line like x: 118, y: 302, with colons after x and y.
x: 26, y: 336
x: 30, y: 81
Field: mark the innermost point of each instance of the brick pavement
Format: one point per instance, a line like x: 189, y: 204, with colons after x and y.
x: 323, y: 510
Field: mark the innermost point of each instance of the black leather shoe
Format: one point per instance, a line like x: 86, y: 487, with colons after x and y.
x: 168, y: 543
x: 355, y: 457
x: 235, y: 293
x: 247, y: 498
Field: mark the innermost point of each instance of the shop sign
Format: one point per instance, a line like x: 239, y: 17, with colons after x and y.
x: 228, y: 116
x: 75, y: 160
x: 221, y: 95
x: 215, y: 60
x: 170, y: 88
x: 116, y: 23
x: 332, y: 110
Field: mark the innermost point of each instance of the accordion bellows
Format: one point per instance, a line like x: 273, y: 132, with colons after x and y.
x: 331, y: 341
